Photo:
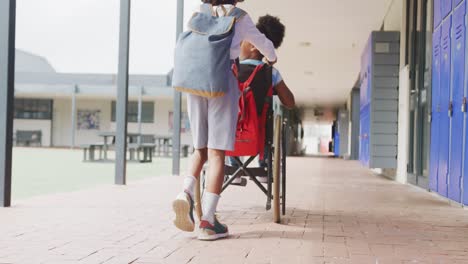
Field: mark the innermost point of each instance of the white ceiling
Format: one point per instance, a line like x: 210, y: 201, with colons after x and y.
x: 337, y: 30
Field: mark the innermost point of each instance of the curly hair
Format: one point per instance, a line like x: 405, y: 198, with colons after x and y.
x: 220, y: 2
x: 272, y: 28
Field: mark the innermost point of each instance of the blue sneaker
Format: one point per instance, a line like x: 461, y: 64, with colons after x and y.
x: 183, y: 207
x: 210, y: 232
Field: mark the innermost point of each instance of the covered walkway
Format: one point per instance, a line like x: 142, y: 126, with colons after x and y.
x: 338, y: 212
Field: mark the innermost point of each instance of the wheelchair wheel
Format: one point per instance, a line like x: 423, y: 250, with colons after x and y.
x: 277, y: 170
x: 283, y: 165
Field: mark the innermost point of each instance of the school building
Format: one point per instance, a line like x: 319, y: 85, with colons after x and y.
x: 68, y: 110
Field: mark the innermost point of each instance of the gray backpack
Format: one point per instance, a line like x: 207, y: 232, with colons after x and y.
x: 202, y: 58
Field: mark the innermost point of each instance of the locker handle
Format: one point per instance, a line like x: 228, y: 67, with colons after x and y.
x: 450, y: 111
x: 464, y: 105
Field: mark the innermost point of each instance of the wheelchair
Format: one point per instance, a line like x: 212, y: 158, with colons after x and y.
x: 273, y: 167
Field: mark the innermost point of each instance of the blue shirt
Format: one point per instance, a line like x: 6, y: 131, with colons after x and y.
x: 277, y: 78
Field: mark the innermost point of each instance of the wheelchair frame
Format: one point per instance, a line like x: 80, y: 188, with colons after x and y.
x: 275, y: 190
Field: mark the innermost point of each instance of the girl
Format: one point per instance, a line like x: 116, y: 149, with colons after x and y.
x: 213, y: 122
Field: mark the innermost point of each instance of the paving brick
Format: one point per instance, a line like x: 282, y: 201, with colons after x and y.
x: 337, y: 212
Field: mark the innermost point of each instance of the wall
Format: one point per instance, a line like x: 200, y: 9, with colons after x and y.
x: 62, y: 126
x: 30, y: 124
x: 393, y: 18
x: 403, y: 125
x: 62, y: 121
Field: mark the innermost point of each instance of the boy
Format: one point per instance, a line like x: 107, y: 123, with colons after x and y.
x: 274, y: 30
x: 213, y: 122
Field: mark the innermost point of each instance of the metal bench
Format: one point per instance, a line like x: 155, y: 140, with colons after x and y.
x: 136, y: 149
x: 28, y: 138
x: 185, y: 151
x: 89, y: 151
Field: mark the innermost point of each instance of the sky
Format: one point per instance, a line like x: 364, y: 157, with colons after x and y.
x: 81, y: 36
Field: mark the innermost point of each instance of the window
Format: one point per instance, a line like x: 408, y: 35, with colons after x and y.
x: 147, y: 112
x: 33, y: 109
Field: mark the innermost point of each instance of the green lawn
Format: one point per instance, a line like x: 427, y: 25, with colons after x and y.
x: 39, y: 171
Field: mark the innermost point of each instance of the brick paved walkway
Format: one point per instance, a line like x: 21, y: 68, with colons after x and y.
x: 337, y: 213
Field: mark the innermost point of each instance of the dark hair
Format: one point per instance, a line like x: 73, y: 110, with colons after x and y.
x: 272, y: 28
x: 220, y: 2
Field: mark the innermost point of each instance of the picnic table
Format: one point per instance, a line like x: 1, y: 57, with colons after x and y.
x: 109, y: 134
x: 138, y: 143
x: 163, y: 144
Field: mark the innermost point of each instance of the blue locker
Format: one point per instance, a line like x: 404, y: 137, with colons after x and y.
x: 446, y: 8
x: 336, y: 145
x: 437, y: 13
x: 361, y: 143
x: 379, y: 86
x: 336, y: 139
x: 364, y: 155
x: 465, y: 160
x: 435, y: 124
x: 366, y: 61
x: 445, y: 78
x: 457, y: 86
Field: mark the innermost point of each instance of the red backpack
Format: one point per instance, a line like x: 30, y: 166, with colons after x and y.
x: 250, y: 133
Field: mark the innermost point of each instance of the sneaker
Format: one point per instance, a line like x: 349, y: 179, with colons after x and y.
x: 209, y: 232
x: 183, y: 208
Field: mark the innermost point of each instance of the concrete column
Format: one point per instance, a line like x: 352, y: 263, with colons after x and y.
x: 140, y: 109
x: 122, y: 95
x: 73, y: 117
x: 7, y: 90
x: 177, y: 102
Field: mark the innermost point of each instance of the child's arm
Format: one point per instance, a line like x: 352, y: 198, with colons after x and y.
x: 249, y: 32
x: 285, y: 95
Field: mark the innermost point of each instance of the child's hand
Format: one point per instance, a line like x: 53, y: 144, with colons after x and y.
x: 271, y: 63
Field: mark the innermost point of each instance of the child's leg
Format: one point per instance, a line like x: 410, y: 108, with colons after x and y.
x: 198, y: 115
x: 215, y: 184
x: 199, y: 158
x: 222, y: 120
x: 183, y: 205
x: 216, y: 171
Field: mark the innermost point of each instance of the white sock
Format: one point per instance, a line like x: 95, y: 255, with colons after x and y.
x: 209, y: 204
x: 189, y: 185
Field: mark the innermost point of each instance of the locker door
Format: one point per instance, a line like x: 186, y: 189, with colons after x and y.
x: 444, y: 106
x: 456, y: 3
x: 367, y: 138
x: 437, y: 13
x: 465, y: 161
x: 446, y: 8
x: 458, y: 80
x: 336, y: 139
x: 361, y: 143
x: 364, y: 140
x: 435, y: 124
x: 363, y: 89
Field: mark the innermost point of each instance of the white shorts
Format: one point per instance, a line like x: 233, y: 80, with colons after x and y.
x: 213, y: 121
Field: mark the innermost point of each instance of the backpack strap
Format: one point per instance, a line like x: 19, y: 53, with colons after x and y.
x: 237, y: 13
x: 252, y: 76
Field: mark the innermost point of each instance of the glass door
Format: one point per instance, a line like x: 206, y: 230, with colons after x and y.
x: 419, y: 59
